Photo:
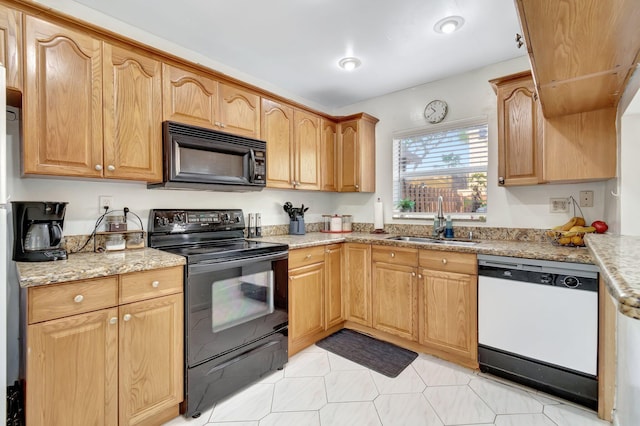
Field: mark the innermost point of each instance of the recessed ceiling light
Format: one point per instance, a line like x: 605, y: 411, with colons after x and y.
x: 349, y: 64
x: 449, y: 24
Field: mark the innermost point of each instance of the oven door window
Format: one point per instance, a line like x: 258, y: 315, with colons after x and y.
x: 242, y: 297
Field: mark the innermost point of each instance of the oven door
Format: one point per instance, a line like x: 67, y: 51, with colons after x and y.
x: 234, y: 303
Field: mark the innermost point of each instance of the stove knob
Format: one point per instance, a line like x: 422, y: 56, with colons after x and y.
x: 225, y: 217
x: 178, y: 218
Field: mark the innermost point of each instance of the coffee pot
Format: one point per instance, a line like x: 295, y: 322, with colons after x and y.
x: 42, y: 236
x: 37, y: 229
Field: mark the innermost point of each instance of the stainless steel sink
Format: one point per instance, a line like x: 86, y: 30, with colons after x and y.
x: 427, y: 240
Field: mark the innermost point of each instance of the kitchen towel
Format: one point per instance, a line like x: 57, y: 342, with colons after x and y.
x: 378, y: 215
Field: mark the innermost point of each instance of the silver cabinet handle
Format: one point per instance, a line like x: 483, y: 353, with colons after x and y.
x: 444, y: 261
x: 501, y: 180
x: 308, y: 256
x: 223, y: 125
x: 420, y: 276
x: 113, y: 320
x: 155, y: 284
x: 98, y: 167
x: 126, y: 317
x: 413, y: 274
x: 111, y: 167
x: 79, y: 298
x: 216, y: 123
x: 357, y: 186
x: 393, y: 254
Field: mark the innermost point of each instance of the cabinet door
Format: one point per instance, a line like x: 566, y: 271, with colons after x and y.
x: 520, y: 132
x: 239, y: 111
x: 277, y: 131
x: 11, y: 45
x: 72, y: 368
x: 132, y: 116
x: 357, y: 273
x: 189, y: 98
x: 306, y: 302
x: 151, y: 358
x: 449, y: 320
x: 333, y: 281
x: 395, y: 299
x: 329, y: 156
x: 349, y: 164
x: 62, y: 101
x: 307, y: 150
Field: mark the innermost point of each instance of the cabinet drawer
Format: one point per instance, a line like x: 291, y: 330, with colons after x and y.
x: 395, y: 255
x: 306, y: 256
x: 149, y: 284
x: 76, y: 297
x: 464, y: 263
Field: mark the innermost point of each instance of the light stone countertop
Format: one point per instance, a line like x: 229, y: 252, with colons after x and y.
x: 80, y: 266
x: 618, y: 258
x: 524, y: 249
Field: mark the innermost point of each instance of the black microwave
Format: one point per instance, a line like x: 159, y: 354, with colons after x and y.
x: 205, y: 159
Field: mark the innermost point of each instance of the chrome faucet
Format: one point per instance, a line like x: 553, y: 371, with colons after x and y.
x: 439, y: 230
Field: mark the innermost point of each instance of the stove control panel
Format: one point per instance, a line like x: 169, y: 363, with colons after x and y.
x: 174, y: 221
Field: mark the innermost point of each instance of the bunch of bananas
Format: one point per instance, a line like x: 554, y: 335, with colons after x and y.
x: 571, y: 233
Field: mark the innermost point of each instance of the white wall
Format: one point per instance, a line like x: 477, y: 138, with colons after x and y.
x: 468, y: 95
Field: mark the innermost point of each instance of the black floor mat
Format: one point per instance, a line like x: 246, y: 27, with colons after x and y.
x: 383, y: 357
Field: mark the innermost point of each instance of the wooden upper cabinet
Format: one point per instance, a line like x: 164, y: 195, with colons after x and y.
x: 582, y: 51
x: 357, y: 154
x: 329, y: 155
x: 306, y: 151
x: 277, y: 131
x: 239, y: 111
x: 580, y: 147
x: 193, y: 98
x: 520, y: 131
x: 132, y: 115
x: 11, y: 45
x: 62, y: 101
x: 188, y: 97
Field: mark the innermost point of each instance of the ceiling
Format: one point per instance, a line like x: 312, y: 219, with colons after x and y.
x: 296, y: 44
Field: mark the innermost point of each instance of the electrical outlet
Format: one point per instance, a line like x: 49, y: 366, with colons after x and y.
x: 586, y: 198
x: 104, y: 201
x: 559, y: 205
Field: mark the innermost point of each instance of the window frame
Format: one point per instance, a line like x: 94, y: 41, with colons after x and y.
x: 437, y: 128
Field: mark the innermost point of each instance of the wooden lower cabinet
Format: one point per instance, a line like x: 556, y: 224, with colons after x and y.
x: 306, y: 302
x: 72, y: 370
x: 357, y: 283
x: 449, y: 312
x: 395, y: 299
x: 334, y: 307
x: 151, y: 358
x: 119, y: 365
x: 315, y: 294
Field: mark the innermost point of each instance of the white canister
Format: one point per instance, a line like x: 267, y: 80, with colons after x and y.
x: 336, y: 223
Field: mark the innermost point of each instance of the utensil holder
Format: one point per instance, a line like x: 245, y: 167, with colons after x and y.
x: 296, y: 226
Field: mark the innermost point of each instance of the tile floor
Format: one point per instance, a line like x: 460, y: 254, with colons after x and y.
x: 320, y: 388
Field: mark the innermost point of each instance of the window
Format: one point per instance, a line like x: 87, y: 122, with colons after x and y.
x: 448, y: 161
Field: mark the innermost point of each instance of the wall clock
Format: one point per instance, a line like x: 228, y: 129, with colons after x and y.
x: 435, y: 111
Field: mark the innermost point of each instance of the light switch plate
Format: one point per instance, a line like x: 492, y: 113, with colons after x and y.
x: 559, y: 205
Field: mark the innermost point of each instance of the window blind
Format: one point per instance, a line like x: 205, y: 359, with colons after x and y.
x: 450, y: 162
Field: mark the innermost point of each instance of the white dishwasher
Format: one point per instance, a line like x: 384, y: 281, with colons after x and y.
x: 538, y: 325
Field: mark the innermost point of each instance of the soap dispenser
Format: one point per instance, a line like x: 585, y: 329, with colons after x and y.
x: 448, y: 230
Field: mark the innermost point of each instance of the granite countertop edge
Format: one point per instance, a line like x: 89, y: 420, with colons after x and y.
x: 617, y: 257
x: 82, y: 266
x: 525, y: 249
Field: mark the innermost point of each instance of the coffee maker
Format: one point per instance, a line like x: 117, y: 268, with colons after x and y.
x: 37, y: 228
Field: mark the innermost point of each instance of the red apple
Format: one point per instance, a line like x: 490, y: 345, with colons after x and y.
x: 601, y: 227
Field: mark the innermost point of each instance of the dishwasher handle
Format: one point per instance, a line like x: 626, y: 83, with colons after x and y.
x: 512, y: 266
